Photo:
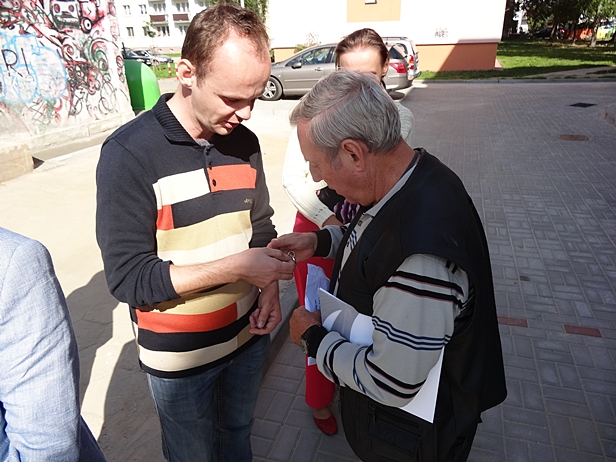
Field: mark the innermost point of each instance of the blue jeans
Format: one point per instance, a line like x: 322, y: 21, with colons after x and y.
x: 208, y: 417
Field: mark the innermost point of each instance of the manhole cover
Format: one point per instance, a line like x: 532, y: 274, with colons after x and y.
x: 582, y: 105
x: 574, y: 137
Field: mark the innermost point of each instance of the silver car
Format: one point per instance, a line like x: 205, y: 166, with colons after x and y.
x: 299, y: 73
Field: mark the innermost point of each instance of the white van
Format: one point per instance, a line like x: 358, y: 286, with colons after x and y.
x: 411, y: 53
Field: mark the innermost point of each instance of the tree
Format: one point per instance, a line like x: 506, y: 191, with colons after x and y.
x: 509, y: 25
x: 258, y: 6
x: 596, y: 11
x: 556, y: 12
x: 149, y: 29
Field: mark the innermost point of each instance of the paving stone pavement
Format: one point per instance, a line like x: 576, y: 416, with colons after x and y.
x: 549, y: 209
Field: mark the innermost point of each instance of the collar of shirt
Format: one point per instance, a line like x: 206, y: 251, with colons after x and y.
x: 372, y: 211
x: 174, y: 131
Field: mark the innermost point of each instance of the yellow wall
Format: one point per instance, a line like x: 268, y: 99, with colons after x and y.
x: 382, y: 10
x: 462, y: 56
x: 280, y: 54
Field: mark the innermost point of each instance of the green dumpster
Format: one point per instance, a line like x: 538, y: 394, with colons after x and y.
x: 142, y: 85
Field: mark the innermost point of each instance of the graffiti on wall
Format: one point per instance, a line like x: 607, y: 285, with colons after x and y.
x: 59, y: 64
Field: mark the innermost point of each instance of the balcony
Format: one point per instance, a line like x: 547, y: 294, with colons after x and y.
x: 159, y: 18
x: 181, y: 17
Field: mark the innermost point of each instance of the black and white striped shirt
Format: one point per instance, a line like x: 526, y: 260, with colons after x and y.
x: 413, y: 318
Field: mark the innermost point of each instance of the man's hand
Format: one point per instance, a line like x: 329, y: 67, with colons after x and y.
x: 267, y: 316
x: 262, y: 266
x: 259, y: 266
x: 300, y: 321
x: 303, y: 244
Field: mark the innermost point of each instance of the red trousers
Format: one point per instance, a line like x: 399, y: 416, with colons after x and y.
x: 319, y: 390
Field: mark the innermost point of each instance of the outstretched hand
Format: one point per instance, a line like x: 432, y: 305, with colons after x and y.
x: 262, y: 266
x: 303, y: 245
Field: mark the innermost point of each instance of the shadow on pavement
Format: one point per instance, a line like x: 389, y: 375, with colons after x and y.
x: 130, y: 430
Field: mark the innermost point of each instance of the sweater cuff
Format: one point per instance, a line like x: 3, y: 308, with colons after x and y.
x: 324, y: 243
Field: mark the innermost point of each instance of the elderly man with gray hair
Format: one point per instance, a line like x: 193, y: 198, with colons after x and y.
x: 415, y: 259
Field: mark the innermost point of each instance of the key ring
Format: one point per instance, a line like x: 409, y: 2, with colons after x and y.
x: 291, y: 254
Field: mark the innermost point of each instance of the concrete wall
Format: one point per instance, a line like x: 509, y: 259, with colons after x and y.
x: 453, y: 34
x: 61, y: 73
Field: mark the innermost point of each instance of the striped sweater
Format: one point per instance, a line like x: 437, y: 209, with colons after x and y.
x: 161, y: 198
x: 414, y: 314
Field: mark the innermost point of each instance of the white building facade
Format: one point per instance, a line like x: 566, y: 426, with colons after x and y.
x: 167, y: 19
x: 450, y: 34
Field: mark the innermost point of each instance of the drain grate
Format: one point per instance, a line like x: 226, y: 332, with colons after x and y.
x: 582, y: 105
x: 574, y: 137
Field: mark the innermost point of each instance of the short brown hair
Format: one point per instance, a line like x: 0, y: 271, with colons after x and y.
x: 210, y: 28
x: 362, y: 38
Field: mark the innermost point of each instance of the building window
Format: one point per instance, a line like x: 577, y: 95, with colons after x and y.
x: 130, y: 31
x: 126, y: 10
x: 143, y: 9
x: 162, y: 31
x: 183, y: 29
x: 182, y: 7
x: 159, y: 7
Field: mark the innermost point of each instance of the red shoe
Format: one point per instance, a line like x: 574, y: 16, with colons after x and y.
x: 327, y: 426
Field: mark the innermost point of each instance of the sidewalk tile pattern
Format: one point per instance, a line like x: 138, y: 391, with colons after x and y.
x: 549, y: 210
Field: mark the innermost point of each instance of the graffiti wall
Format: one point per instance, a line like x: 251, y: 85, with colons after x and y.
x: 60, y: 65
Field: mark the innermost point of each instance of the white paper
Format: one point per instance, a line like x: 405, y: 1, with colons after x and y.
x: 341, y: 317
x: 315, y: 280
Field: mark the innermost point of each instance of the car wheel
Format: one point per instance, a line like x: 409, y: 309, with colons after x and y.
x: 273, y: 90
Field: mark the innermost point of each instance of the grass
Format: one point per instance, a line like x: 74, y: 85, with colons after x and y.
x: 524, y: 59
x: 161, y: 71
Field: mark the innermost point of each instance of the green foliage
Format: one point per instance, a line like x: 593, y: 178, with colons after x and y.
x: 543, y: 12
x: 162, y: 72
x: 526, y: 59
x: 150, y: 30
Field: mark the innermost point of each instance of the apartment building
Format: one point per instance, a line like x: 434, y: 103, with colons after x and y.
x: 166, y: 20
x: 449, y: 34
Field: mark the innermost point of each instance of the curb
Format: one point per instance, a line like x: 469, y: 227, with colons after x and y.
x: 514, y: 81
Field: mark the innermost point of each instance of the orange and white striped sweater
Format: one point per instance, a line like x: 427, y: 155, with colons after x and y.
x: 163, y: 197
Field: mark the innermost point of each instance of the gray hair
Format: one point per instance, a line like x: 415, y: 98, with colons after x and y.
x: 349, y: 105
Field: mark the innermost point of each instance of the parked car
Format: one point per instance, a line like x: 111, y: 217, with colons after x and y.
x: 130, y: 54
x: 155, y: 57
x: 546, y: 32
x: 410, y: 53
x: 299, y: 73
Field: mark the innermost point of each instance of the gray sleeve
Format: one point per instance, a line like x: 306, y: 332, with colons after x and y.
x: 411, y: 327
x: 40, y: 370
x: 263, y: 230
x: 407, y: 124
x: 126, y: 214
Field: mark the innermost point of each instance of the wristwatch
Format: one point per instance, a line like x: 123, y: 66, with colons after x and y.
x: 311, y: 339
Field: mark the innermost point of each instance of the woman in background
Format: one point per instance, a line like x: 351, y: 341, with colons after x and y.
x: 319, y: 206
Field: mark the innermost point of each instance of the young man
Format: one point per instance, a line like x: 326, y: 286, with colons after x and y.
x: 183, y: 219
x: 414, y: 259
